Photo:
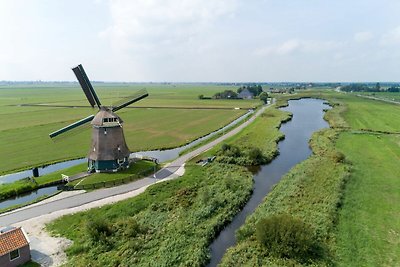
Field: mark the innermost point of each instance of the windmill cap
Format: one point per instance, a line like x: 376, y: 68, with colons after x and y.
x: 99, y: 119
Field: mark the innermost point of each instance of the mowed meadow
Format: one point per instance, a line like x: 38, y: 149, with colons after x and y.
x: 171, y: 116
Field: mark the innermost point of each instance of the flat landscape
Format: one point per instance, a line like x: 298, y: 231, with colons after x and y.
x: 159, y: 123
x: 338, y: 195
x: 200, y: 133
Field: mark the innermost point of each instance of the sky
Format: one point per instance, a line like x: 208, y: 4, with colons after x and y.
x: 201, y: 40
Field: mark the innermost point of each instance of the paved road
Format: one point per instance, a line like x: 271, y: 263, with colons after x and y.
x: 78, y: 200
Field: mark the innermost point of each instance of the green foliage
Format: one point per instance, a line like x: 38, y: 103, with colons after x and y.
x: 264, y: 97
x: 393, y: 89
x: 171, y: 223
x: 359, y: 87
x: 17, y: 188
x: 30, y: 264
x: 312, y: 192
x: 287, y: 237
x: 253, y: 88
x: 256, y: 144
x: 135, y: 171
x: 98, y: 230
x: 233, y: 155
x: 256, y: 156
x: 227, y: 94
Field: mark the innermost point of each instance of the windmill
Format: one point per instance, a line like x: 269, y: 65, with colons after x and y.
x: 108, y: 151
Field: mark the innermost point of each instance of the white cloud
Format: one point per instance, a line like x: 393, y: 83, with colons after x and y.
x: 362, y: 37
x: 299, y: 46
x: 288, y: 47
x: 149, y: 25
x: 391, y: 37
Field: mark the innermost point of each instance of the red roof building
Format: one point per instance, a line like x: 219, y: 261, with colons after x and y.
x: 14, y: 247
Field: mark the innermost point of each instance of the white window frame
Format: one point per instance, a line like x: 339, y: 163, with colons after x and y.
x: 19, y: 255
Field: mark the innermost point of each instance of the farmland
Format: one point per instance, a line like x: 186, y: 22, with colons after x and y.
x: 30, y: 113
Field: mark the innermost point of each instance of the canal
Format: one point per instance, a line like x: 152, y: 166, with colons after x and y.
x: 307, y: 118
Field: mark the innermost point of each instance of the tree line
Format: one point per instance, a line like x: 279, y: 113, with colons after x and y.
x: 359, y: 87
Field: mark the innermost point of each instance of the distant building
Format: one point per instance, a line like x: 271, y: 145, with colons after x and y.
x: 245, y: 94
x: 14, y: 247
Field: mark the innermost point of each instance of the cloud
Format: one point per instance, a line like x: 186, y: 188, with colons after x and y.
x: 148, y: 25
x: 362, y: 37
x: 391, y: 37
x: 299, y: 46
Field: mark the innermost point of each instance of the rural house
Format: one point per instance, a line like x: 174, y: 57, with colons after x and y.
x: 14, y: 247
x: 245, y: 94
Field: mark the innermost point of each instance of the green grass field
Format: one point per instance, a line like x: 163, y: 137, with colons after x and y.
x: 137, y: 170
x: 24, y: 131
x: 383, y: 95
x: 372, y: 115
x: 369, y: 224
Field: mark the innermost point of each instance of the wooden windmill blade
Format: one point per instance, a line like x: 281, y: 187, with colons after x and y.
x: 72, y: 126
x: 86, y: 86
x: 130, y: 100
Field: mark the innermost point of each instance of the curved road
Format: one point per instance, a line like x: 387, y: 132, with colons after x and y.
x: 81, y: 199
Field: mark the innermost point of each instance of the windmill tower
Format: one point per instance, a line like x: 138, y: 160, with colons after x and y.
x: 108, y: 150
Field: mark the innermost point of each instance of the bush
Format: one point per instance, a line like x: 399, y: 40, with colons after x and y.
x: 288, y: 237
x: 256, y: 156
x: 98, y: 230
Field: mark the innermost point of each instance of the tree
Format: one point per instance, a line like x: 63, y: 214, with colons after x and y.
x: 201, y: 96
x: 378, y: 86
x: 264, y: 97
x: 227, y: 94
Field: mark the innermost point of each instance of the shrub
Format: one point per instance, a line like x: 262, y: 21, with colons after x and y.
x: 256, y: 156
x: 286, y: 236
x: 98, y: 230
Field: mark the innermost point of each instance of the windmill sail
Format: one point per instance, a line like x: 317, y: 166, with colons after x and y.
x: 72, y: 126
x: 86, y: 86
x: 130, y: 100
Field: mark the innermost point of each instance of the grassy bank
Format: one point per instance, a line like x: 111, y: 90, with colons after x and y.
x: 136, y: 171
x: 311, y: 192
x: 261, y: 137
x: 171, y: 223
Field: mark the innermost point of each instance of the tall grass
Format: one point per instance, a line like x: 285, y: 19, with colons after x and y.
x: 170, y: 224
